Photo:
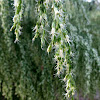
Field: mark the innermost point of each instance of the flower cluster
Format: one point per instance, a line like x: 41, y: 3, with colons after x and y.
x: 18, y: 4
x: 59, y: 39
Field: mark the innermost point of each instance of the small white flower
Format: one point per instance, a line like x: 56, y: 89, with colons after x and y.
x: 15, y: 18
x: 56, y: 45
x: 52, y: 7
x: 41, y: 18
x: 16, y: 3
x: 56, y: 11
x: 65, y: 79
x: 61, y: 25
x: 53, y: 31
x: 61, y: 53
x: 58, y: 73
x: 67, y: 38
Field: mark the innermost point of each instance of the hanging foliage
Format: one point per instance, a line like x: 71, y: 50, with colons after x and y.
x: 55, y: 43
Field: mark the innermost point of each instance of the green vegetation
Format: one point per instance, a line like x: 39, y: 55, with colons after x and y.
x: 49, y: 49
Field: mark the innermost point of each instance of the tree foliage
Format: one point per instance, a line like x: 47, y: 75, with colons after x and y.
x: 53, y: 40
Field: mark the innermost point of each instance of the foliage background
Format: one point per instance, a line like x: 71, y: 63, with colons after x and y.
x: 27, y: 71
